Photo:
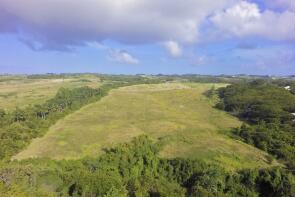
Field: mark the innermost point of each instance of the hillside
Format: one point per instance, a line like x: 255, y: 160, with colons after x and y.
x: 22, y: 92
x: 177, y: 114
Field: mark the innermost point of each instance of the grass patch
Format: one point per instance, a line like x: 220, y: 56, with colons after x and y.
x: 23, y: 92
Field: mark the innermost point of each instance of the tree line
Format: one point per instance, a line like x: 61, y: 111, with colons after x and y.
x: 267, y: 109
x: 135, y: 169
x: 19, y: 127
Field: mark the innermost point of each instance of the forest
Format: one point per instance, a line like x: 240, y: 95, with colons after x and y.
x: 267, y: 111
x: 134, y: 169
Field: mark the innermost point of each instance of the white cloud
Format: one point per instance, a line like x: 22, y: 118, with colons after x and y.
x: 97, y: 45
x: 244, y: 10
x: 173, y: 48
x: 245, y: 19
x: 64, y: 24
x: 59, y: 23
x: 122, y: 57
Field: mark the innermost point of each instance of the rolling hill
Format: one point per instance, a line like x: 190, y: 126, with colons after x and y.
x: 178, y: 114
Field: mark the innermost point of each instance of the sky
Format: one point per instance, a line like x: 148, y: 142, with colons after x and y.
x: 148, y: 36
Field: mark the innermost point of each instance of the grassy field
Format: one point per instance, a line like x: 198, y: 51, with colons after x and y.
x: 23, y: 92
x: 178, y: 114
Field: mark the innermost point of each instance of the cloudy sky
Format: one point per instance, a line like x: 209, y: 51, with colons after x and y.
x: 148, y: 36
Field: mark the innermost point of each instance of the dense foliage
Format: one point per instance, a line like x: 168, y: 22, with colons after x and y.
x: 268, y: 109
x: 135, y: 169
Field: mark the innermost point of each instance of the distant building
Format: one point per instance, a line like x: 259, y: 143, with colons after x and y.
x: 287, y: 88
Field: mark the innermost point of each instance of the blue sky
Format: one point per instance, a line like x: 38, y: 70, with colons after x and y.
x: 140, y: 36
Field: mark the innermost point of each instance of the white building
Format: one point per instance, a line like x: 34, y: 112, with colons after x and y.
x: 287, y: 88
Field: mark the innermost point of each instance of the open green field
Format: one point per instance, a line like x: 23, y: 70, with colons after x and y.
x: 23, y: 92
x: 178, y: 114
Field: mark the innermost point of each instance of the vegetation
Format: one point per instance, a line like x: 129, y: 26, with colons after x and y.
x: 177, y: 114
x: 23, y: 92
x: 134, y: 169
x: 188, y: 151
x: 268, y: 109
x: 20, y: 126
